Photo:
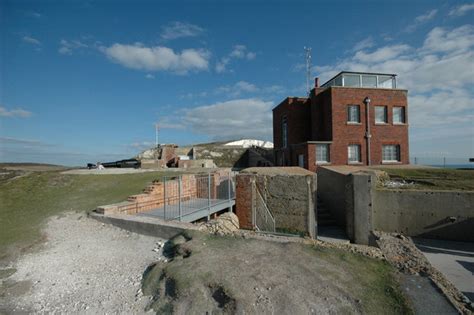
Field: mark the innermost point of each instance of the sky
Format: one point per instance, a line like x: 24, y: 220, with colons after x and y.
x: 86, y: 81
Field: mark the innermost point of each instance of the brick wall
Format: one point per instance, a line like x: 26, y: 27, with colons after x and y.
x: 323, y: 117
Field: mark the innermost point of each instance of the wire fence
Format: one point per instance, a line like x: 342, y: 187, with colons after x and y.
x: 183, y: 197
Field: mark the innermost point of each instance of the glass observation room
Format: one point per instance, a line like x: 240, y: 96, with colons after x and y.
x: 363, y: 80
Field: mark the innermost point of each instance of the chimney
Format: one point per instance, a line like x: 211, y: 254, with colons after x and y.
x: 316, y: 82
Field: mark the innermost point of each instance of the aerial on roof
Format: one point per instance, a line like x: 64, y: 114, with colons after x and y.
x: 363, y: 79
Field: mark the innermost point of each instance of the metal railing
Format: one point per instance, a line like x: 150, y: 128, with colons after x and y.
x: 263, y: 219
x: 176, y: 197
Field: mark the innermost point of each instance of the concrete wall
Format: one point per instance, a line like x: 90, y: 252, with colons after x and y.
x: 355, y: 202
x: 445, y: 215
x: 290, y: 195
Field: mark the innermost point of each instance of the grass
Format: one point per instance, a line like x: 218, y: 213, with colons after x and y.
x: 27, y: 201
x: 433, y: 178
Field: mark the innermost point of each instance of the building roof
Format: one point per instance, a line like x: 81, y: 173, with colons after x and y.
x: 353, y: 72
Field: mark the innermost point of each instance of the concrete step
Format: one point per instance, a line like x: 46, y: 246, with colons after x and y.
x: 324, y: 215
x: 326, y: 222
x: 332, y: 234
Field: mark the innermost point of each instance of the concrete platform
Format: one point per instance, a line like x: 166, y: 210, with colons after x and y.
x: 454, y: 259
x: 191, y: 210
x: 332, y: 234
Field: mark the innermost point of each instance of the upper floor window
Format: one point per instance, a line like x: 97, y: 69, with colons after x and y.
x: 322, y: 153
x: 398, y: 115
x: 284, y: 132
x: 353, y: 114
x: 353, y: 153
x: 391, y: 153
x: 381, y: 115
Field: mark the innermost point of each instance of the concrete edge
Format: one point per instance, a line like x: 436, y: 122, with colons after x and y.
x: 145, y: 225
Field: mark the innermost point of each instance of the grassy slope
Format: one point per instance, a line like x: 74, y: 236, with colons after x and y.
x: 27, y: 201
x: 433, y: 178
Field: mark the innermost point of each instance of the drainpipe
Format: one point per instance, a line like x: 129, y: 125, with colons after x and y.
x: 367, y: 128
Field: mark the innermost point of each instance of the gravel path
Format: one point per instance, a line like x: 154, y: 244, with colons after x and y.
x: 84, y: 267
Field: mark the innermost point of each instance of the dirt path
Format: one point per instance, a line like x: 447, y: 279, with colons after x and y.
x: 85, y: 266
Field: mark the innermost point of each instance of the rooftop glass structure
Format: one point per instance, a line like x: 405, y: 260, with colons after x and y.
x: 363, y: 80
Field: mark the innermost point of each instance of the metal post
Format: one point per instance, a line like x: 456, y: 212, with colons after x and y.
x: 229, y: 182
x: 179, y: 197
x: 208, y: 196
x: 164, y: 196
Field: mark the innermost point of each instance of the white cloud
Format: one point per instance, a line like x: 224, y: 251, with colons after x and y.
x: 150, y: 76
x: 68, y: 46
x: 363, y: 44
x: 438, y: 76
x: 238, y: 52
x: 17, y: 112
x: 457, y: 40
x: 461, y: 10
x: 421, y: 19
x: 381, y: 54
x: 238, y: 89
x: 24, y: 142
x: 240, y: 118
x: 158, y: 58
x: 31, y: 40
x: 179, y: 29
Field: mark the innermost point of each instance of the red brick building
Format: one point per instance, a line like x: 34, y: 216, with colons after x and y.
x: 353, y: 119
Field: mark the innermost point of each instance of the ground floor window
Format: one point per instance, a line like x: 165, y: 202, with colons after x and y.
x: 301, y: 160
x: 391, y: 153
x: 353, y: 153
x: 322, y: 153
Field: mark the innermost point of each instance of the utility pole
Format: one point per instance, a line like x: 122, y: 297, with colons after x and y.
x: 308, y: 68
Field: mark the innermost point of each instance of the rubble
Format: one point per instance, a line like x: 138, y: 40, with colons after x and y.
x: 226, y: 224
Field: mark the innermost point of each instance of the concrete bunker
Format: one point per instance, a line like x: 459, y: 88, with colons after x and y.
x: 277, y: 199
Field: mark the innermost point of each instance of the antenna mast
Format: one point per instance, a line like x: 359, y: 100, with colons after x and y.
x: 308, y: 68
x: 157, y: 129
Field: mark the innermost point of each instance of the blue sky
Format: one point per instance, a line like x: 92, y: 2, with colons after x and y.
x: 85, y: 81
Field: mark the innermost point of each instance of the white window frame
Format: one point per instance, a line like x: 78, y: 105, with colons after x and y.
x: 397, y: 153
x: 385, y: 114
x: 402, y: 115
x: 328, y: 155
x: 358, y: 152
x: 348, y: 114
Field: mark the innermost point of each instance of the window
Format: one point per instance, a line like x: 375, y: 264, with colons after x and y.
x: 353, y: 114
x: 322, y: 153
x: 390, y: 153
x: 352, y: 80
x: 369, y: 81
x: 386, y: 82
x: 381, y: 115
x: 399, y: 115
x: 353, y: 153
x: 301, y: 160
x: 284, y: 131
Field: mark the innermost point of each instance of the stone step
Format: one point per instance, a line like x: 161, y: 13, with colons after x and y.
x: 327, y: 222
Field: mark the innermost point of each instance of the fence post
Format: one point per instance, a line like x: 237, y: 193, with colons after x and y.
x: 164, y: 196
x: 208, y: 196
x: 179, y: 197
x: 229, y: 182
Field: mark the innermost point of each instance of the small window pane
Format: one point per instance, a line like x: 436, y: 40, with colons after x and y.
x: 399, y: 115
x: 353, y: 153
x: 284, y: 129
x: 351, y: 80
x: 338, y: 81
x: 386, y: 82
x: 390, y: 153
x: 322, y: 153
x: 353, y: 113
x: 381, y: 114
x: 369, y: 81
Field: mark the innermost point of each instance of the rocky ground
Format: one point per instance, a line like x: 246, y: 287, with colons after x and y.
x: 84, y: 267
